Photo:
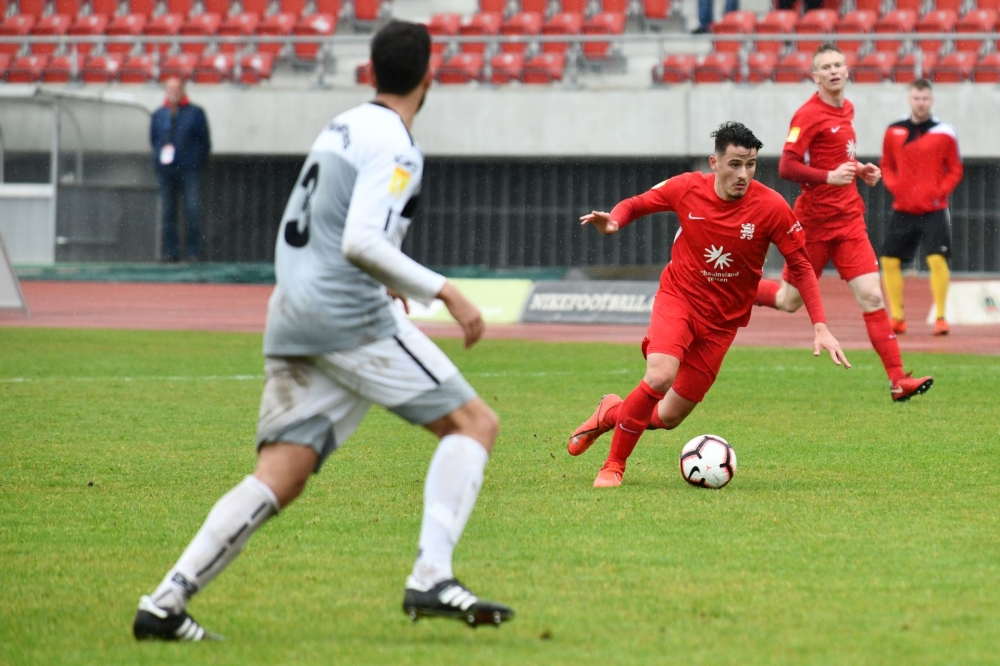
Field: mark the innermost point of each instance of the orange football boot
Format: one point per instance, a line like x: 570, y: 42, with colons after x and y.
x: 898, y: 325
x: 610, y: 476
x: 594, y: 427
x: 909, y: 386
x: 941, y: 327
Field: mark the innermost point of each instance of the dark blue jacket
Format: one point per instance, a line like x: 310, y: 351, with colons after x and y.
x: 187, y: 131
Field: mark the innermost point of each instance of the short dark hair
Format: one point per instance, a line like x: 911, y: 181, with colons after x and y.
x: 401, y: 53
x: 732, y: 133
x: 826, y: 47
x: 921, y: 84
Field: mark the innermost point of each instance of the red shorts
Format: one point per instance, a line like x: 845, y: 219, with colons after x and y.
x: 674, y: 330
x: 848, y: 246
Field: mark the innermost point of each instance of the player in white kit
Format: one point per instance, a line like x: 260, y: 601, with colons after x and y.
x: 335, y: 344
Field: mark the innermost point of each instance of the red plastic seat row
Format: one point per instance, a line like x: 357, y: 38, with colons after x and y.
x: 135, y: 69
x: 505, y: 67
x: 718, y: 67
x: 530, y: 24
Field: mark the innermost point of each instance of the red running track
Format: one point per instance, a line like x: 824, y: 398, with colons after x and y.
x: 242, y: 308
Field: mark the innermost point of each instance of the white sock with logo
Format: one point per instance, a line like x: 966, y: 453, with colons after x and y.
x: 221, y: 538
x: 453, y: 482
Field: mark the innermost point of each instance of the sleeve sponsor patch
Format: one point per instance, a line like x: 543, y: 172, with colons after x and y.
x: 400, y: 179
x: 793, y: 135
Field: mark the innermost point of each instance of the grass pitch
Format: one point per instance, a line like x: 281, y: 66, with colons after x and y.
x: 856, y: 531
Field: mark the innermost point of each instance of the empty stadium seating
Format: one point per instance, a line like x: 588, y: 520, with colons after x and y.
x: 978, y: 20
x: 760, y: 67
x: 27, y: 69
x: 816, y: 22
x: 898, y: 21
x: 484, y: 23
x: 563, y: 23
x: 940, y: 20
x: 506, y: 67
x: 544, y: 68
x: 604, y: 23
x: 443, y: 25
x: 794, y: 67
x: 875, y: 67
x: 523, y: 24
x: 778, y: 22
x: 905, y: 70
x: 675, y: 68
x: 102, y: 69
x: 954, y: 67
x: 856, y: 22
x: 715, y: 68
x: 63, y: 69
x: 987, y: 70
x: 461, y: 68
x: 734, y: 23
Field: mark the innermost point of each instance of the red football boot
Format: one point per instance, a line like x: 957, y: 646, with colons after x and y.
x: 941, y: 327
x: 909, y: 386
x: 594, y: 427
x: 898, y: 325
x: 610, y: 476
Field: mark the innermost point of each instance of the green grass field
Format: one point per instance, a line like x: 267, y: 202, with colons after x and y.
x: 856, y: 531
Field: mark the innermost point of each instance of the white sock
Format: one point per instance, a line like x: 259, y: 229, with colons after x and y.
x: 453, y: 482
x: 228, y: 526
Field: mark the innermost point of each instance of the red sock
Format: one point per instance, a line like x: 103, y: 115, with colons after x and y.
x: 767, y: 294
x: 633, y: 417
x: 885, y: 343
x: 655, y: 422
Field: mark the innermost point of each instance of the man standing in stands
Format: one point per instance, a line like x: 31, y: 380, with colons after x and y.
x: 921, y: 167
x: 181, y: 144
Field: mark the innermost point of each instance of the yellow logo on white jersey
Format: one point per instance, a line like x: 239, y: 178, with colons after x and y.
x: 400, y: 179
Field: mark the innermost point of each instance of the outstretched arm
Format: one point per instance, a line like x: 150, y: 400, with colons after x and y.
x: 656, y: 200
x: 802, y: 276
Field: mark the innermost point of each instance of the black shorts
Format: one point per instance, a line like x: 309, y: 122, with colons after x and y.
x: 905, y: 232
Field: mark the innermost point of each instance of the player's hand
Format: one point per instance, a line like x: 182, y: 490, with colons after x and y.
x: 602, y: 221
x: 842, y: 175
x: 465, y: 313
x: 824, y: 340
x: 396, y: 296
x: 870, y: 173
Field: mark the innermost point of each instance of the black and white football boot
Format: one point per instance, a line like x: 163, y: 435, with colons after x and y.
x: 450, y: 598
x: 155, y: 623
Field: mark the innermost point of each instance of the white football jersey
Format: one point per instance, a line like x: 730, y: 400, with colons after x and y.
x: 338, y: 244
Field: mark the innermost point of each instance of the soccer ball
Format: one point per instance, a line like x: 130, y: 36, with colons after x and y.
x: 708, y: 461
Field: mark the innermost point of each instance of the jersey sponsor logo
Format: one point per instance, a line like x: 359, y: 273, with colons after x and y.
x: 834, y: 130
x: 718, y: 256
x: 746, y: 232
x: 852, y: 149
x: 406, y: 163
x: 900, y: 131
x: 794, y: 228
x: 793, y: 135
x: 400, y: 179
x: 343, y: 130
x: 692, y: 217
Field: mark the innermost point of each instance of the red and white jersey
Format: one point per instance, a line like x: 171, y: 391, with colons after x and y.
x: 823, y: 136
x: 718, y: 254
x: 921, y: 165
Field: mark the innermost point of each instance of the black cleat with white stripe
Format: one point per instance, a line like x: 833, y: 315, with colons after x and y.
x: 450, y: 598
x: 155, y: 623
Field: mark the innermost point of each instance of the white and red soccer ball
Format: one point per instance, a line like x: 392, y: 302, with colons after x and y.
x: 708, y: 461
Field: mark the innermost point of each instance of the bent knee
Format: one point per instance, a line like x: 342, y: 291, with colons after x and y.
x: 474, y: 419
x: 871, y: 300
x: 789, y: 302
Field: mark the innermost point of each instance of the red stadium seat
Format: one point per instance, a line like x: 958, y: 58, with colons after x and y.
x: 182, y: 7
x: 144, y: 7
x: 875, y: 67
x: 34, y: 8
x: 363, y: 74
x: 869, y: 6
x: 493, y: 6
x: 734, y: 23
x: 275, y: 25
x: 19, y: 25
x: 61, y: 69
x: 987, y: 70
x: 220, y: 7
x: 480, y: 24
x: 615, y: 6
x: 90, y: 26
x: 240, y: 25
x: 317, y: 24
x: 951, y: 5
x: 367, y: 10
x: 604, y: 23
x: 102, y: 69
x: 760, y: 67
x: 50, y: 26
x: 67, y: 7
x: 779, y: 22
x: 256, y: 67
x: 137, y: 69
x: 940, y: 20
x: 914, y: 6
x: 716, y: 68
x: 164, y: 25
x: 561, y: 24
x: 816, y: 22
x: 578, y: 6
x: 461, y: 68
x: 331, y: 7
x: 656, y: 10
x: 104, y: 7
x: 895, y: 22
x: 294, y: 7
x: 675, y: 68
x: 861, y: 21
x: 905, y: 70
x: 978, y: 20
x: 794, y: 68
x: 182, y: 66
x: 954, y: 67
x: 215, y: 68
x: 544, y: 68
x: 200, y: 25
x: 524, y: 24
x: 535, y: 6
x: 988, y: 4
x: 443, y: 25
x: 5, y: 59
x: 130, y: 25
x: 506, y: 67
x: 27, y: 69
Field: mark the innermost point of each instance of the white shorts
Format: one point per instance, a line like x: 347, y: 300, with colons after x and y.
x: 319, y: 401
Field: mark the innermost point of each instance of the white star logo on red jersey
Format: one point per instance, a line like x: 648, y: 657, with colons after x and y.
x: 852, y: 149
x: 721, y: 260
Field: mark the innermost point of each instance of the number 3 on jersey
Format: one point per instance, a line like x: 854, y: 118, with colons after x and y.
x: 296, y: 232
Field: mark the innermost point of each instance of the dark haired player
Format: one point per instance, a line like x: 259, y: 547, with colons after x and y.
x: 335, y: 344
x: 727, y: 221
x: 821, y: 154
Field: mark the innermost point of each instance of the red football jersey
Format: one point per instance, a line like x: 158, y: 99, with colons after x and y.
x: 824, y: 137
x: 718, y: 254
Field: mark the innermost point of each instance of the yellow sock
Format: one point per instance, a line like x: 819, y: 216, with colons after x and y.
x: 893, y: 275
x: 940, y: 278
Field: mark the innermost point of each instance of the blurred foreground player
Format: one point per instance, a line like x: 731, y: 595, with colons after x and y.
x: 820, y: 154
x: 728, y: 222
x: 335, y: 344
x: 921, y: 167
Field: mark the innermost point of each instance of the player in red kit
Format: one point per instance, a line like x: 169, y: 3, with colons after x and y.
x: 706, y: 292
x: 821, y: 154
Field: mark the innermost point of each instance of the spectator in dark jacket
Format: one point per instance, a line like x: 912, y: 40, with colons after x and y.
x: 181, y: 144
